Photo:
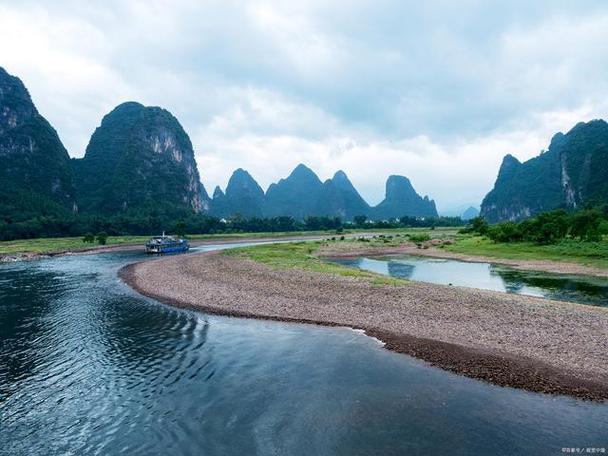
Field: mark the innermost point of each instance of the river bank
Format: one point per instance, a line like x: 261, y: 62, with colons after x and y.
x: 430, y: 249
x: 509, y: 340
x: 139, y: 245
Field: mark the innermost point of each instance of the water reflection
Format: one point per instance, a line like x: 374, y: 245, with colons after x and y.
x: 90, y: 367
x: 580, y: 289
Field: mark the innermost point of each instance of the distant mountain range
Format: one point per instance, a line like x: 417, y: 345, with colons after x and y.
x: 573, y: 173
x: 303, y: 194
x: 470, y: 213
x: 141, y: 161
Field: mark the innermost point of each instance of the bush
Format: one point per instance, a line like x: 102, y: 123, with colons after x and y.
x: 603, y: 229
x: 586, y: 225
x: 102, y: 237
x: 553, y: 227
x: 417, y: 238
x: 505, y: 232
x: 88, y: 238
x: 476, y: 225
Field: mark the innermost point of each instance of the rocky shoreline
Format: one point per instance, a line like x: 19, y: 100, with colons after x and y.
x: 509, y: 340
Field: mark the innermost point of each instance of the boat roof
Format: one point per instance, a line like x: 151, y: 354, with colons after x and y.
x: 164, y: 240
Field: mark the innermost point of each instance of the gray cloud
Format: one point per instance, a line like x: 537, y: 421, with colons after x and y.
x: 438, y: 91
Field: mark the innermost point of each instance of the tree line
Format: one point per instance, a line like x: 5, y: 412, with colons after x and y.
x: 182, y: 222
x: 546, y: 228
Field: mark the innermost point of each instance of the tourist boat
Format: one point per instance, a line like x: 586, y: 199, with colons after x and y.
x: 166, y: 244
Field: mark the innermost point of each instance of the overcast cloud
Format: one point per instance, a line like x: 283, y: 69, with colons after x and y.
x: 437, y: 91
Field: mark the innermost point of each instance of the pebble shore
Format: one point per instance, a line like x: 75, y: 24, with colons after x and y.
x: 506, y: 339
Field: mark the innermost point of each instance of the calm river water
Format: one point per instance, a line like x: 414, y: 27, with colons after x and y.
x: 487, y: 276
x: 88, y: 366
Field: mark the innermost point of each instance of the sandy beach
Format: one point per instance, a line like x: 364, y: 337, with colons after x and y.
x: 506, y: 339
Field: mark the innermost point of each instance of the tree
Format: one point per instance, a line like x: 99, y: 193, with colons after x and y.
x: 360, y: 220
x: 180, y: 228
x: 478, y: 225
x: 550, y: 227
x: 586, y: 224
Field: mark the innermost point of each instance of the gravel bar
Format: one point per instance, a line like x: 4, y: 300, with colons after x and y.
x: 506, y: 339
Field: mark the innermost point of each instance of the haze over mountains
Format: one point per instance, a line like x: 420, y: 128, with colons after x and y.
x: 140, y: 160
x: 303, y: 194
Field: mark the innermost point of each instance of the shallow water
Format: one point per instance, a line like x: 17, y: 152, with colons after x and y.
x: 487, y: 276
x: 87, y: 366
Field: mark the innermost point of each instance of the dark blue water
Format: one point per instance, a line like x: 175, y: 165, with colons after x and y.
x: 487, y: 276
x: 89, y: 367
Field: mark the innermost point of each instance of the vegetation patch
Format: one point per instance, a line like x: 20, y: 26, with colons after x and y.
x: 61, y: 244
x: 593, y: 254
x: 302, y: 255
x: 53, y: 245
x: 578, y: 237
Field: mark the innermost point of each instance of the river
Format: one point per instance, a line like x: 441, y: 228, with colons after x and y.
x: 487, y: 276
x: 88, y: 366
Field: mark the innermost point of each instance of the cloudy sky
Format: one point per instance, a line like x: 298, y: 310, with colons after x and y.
x: 437, y: 91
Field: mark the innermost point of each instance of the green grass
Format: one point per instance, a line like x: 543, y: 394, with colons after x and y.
x: 588, y: 253
x: 52, y: 245
x: 301, y: 255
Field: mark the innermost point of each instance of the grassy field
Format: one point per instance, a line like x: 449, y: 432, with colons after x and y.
x: 301, y: 255
x: 588, y: 253
x: 52, y: 245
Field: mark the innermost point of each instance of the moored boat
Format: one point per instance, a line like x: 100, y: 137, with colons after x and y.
x: 167, y: 244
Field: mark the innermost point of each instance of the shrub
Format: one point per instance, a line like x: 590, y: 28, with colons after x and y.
x: 476, y: 225
x: 505, y: 232
x: 88, y: 238
x: 586, y: 225
x: 603, y: 229
x: 102, y: 237
x: 422, y: 237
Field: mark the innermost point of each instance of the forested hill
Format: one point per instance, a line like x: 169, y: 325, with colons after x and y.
x: 139, y: 159
x: 571, y: 174
x: 35, y: 173
x: 139, y: 174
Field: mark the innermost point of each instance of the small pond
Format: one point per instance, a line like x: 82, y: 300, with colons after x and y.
x: 487, y: 276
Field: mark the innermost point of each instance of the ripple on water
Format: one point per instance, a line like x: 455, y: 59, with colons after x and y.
x: 89, y: 367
